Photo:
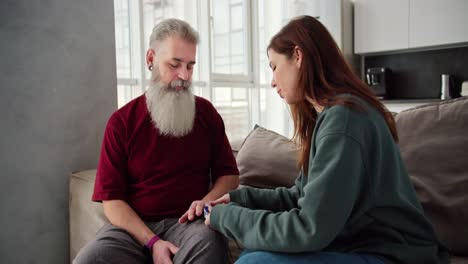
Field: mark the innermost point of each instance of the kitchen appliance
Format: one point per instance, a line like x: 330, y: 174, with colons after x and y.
x: 464, y: 88
x: 445, y: 86
x: 448, y: 90
x: 378, y: 80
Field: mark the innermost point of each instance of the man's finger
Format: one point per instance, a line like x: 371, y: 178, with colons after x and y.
x: 173, y: 249
x: 183, y: 218
x: 190, y: 213
x: 166, y: 259
x: 199, y: 209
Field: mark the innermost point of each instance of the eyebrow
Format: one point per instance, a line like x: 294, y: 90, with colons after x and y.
x: 181, y: 60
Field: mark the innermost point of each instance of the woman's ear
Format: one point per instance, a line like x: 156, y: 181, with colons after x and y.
x: 297, y: 57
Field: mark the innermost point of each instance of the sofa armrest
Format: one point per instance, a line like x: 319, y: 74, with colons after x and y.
x: 86, y: 217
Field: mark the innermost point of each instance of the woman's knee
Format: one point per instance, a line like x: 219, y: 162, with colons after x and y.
x: 251, y: 257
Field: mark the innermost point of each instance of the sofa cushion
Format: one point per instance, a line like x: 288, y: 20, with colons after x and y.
x: 267, y: 160
x: 434, y: 147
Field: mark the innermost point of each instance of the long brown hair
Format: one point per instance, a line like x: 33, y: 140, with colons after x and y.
x: 324, y: 74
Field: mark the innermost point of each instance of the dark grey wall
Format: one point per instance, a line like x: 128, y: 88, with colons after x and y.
x: 57, y: 90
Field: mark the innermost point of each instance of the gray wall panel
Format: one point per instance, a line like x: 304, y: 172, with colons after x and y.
x: 58, y: 88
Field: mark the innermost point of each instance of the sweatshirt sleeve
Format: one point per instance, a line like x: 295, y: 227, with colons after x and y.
x: 279, y: 199
x: 334, y: 181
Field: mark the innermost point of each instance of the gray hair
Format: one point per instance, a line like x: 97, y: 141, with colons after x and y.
x: 172, y: 27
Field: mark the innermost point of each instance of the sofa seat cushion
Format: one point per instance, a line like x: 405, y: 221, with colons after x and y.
x: 434, y: 147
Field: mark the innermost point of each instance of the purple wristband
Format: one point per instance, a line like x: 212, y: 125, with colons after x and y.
x: 150, y: 243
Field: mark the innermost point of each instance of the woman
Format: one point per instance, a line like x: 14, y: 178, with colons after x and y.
x: 353, y: 201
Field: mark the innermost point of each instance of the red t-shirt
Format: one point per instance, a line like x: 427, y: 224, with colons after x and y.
x: 159, y: 176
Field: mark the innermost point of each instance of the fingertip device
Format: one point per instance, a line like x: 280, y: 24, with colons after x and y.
x: 206, y: 211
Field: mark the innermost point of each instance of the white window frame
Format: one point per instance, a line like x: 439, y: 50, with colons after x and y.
x: 234, y: 78
x: 206, y: 80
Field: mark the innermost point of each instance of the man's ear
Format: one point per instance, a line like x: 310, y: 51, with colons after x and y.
x: 297, y: 57
x: 150, y: 54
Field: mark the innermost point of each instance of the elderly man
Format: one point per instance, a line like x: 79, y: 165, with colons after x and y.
x: 160, y: 155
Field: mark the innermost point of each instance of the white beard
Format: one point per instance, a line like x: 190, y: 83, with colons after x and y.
x: 172, y: 112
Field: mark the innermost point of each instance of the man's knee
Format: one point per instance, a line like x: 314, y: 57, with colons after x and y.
x: 206, y: 235
x: 202, y: 245
x: 89, y: 254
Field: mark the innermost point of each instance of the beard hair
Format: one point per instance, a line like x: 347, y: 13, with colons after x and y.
x: 172, y: 112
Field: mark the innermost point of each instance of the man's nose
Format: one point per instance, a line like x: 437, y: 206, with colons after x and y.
x: 184, y: 74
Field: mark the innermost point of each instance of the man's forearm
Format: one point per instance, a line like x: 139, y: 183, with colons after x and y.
x: 120, y: 214
x: 223, y: 185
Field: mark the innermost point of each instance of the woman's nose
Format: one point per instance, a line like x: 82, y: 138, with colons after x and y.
x: 273, y: 83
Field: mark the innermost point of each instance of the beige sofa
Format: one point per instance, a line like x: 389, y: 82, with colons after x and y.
x: 433, y: 143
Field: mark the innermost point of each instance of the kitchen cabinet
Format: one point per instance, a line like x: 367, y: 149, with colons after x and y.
x: 436, y: 22
x: 335, y: 15
x: 389, y: 25
x: 380, y: 25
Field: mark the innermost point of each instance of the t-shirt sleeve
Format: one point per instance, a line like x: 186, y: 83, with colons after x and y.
x: 222, y: 161
x: 110, y: 181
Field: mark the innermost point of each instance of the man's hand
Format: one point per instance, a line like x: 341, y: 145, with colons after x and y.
x: 195, y: 210
x: 163, y: 251
x: 221, y: 200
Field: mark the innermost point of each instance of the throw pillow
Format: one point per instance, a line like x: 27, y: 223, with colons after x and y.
x: 267, y: 159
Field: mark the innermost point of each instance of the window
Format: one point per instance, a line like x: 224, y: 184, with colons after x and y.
x: 233, y: 105
x: 230, y: 57
x: 232, y: 65
x: 231, y: 77
x: 127, y: 81
x: 122, y: 38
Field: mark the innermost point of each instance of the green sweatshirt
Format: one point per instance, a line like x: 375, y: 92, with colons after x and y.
x: 356, y: 198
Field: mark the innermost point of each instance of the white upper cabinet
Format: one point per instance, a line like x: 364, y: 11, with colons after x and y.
x: 387, y: 25
x: 438, y: 22
x: 335, y: 15
x: 380, y: 25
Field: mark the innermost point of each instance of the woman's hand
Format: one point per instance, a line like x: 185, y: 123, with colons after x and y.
x: 207, y: 216
x: 221, y: 200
